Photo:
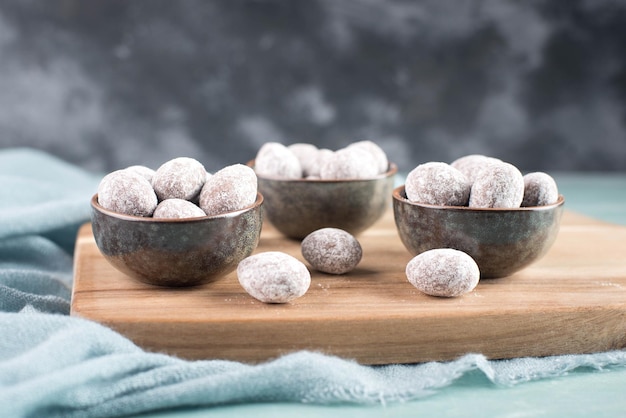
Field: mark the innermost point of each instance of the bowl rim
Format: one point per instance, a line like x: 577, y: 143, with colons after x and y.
x: 134, y: 218
x: 399, y: 195
x: 392, y: 170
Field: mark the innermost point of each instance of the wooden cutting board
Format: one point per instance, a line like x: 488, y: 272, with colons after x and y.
x: 571, y: 301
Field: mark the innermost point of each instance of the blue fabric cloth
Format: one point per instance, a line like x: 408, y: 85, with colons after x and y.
x: 55, y: 365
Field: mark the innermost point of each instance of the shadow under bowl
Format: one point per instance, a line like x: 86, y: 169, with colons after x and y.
x: 176, y: 252
x: 298, y: 207
x: 501, y: 241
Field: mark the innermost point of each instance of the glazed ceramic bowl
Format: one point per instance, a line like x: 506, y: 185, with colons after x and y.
x: 298, y: 207
x: 176, y: 252
x: 501, y: 241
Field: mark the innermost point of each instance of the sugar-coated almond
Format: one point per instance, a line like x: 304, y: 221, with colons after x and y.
x: 179, y: 178
x: 540, y: 189
x: 232, y: 188
x: 331, y: 250
x: 437, y: 183
x: 443, y: 272
x: 127, y: 192
x: 273, y: 277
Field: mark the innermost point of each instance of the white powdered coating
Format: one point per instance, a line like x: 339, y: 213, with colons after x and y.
x: 306, y: 154
x: 177, y: 209
x: 437, y: 183
x: 147, y: 172
x: 497, y: 185
x: 382, y: 163
x: 232, y: 188
x: 128, y: 192
x: 276, y: 160
x: 470, y: 165
x: 273, y: 277
x: 443, y: 272
x: 321, y: 156
x: 331, y: 250
x: 539, y: 189
x: 180, y: 178
x: 349, y: 163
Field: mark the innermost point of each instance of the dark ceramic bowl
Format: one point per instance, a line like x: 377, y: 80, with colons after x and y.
x: 501, y: 241
x: 176, y: 252
x: 298, y: 207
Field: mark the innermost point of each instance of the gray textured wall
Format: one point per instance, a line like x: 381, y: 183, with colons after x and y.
x: 107, y: 84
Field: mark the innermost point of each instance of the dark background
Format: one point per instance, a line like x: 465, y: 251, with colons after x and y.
x: 106, y: 84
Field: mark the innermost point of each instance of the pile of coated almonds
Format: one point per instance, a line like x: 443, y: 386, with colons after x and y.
x: 479, y: 181
x: 358, y: 160
x: 179, y: 188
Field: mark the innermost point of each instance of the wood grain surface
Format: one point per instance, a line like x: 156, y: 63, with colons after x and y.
x: 571, y: 301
